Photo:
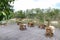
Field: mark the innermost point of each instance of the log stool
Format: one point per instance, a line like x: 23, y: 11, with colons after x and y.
x: 31, y: 24
x: 4, y: 24
x: 18, y: 23
x: 49, y: 32
x: 42, y: 26
x: 22, y: 27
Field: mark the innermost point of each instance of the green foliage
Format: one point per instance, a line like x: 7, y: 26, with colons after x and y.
x: 20, y: 14
x: 6, y: 8
x: 1, y: 16
x: 41, y: 14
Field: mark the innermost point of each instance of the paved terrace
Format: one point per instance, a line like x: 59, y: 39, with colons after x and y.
x: 12, y: 32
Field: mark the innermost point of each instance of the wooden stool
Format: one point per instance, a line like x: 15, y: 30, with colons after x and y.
x: 18, y: 23
x: 49, y: 32
x: 31, y: 24
x: 4, y: 24
x: 42, y: 26
x: 22, y: 27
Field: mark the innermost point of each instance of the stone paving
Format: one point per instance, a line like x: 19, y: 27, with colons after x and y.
x: 12, y: 32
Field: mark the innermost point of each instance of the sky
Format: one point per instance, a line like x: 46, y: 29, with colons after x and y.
x: 29, y: 4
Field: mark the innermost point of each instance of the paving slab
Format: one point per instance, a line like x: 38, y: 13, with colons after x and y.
x: 12, y: 32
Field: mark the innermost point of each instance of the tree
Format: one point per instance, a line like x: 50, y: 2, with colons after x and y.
x: 1, y: 16
x: 6, y: 8
x: 56, y: 14
x: 20, y: 14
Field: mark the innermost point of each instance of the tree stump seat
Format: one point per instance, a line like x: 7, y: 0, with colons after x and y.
x: 18, y: 23
x: 49, y: 32
x: 22, y: 27
x: 31, y: 24
x: 3, y: 24
x: 42, y: 26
